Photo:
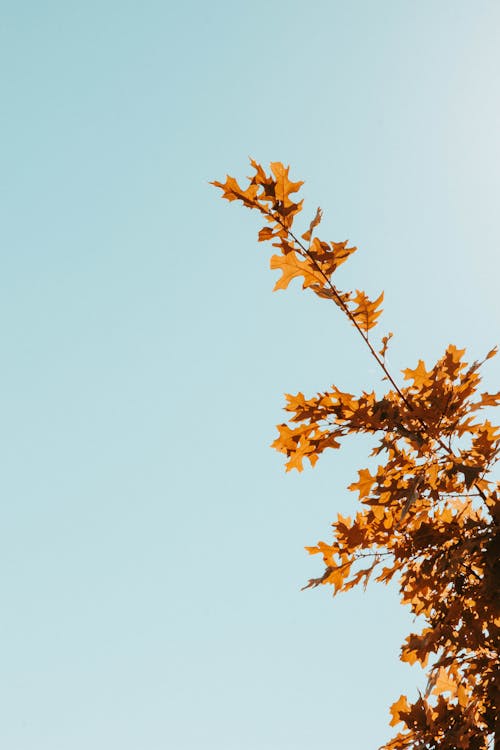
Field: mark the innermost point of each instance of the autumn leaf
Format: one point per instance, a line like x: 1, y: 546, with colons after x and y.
x: 284, y: 187
x: 444, y: 683
x: 385, y: 343
x: 490, y: 399
x: 232, y: 192
x: 364, y: 484
x: 365, y: 313
x: 329, y: 255
x: 266, y: 233
x: 341, y: 252
x: 264, y: 181
x: 452, y: 363
x: 314, y: 223
x: 419, y: 375
x: 400, y: 706
x: 492, y: 353
x: 291, y: 267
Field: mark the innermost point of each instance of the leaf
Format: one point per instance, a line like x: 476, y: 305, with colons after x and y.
x: 462, y: 695
x: 232, y: 192
x: 329, y: 255
x: 314, y: 223
x: 365, y: 312
x: 490, y: 399
x: 291, y: 267
x: 385, y: 342
x: 444, y: 683
x: 341, y: 252
x: 419, y: 375
x: 285, y: 246
x: 283, y: 185
x: 364, y: 484
x: 266, y: 233
x: 492, y: 353
x: 470, y: 473
x: 452, y: 361
x: 400, y: 706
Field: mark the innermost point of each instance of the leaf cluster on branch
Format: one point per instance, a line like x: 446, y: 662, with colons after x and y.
x: 429, y: 515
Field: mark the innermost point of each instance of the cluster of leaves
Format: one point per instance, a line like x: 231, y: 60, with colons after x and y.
x: 429, y: 515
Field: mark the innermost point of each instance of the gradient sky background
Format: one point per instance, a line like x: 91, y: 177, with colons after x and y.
x: 151, y: 551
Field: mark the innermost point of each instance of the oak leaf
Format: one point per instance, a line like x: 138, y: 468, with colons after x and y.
x: 385, y: 343
x: 266, y: 233
x: 364, y: 484
x: 419, y: 375
x: 291, y: 267
x: 283, y: 185
x: 314, y: 223
x: 400, y: 706
x: 366, y: 313
x: 233, y: 192
x: 444, y: 683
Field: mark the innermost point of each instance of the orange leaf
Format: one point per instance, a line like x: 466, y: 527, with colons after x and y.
x: 233, y: 192
x: 329, y: 255
x: 364, y: 485
x: 419, y: 375
x: 444, y: 683
x: 314, y: 223
x: 341, y: 252
x: 400, y: 706
x: 366, y: 313
x: 266, y: 233
x: 283, y: 185
x: 491, y: 353
x: 291, y: 267
x: 490, y: 399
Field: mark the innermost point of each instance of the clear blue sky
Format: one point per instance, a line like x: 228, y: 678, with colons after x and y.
x: 151, y: 549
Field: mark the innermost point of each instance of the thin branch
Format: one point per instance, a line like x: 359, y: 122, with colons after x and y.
x: 305, y: 252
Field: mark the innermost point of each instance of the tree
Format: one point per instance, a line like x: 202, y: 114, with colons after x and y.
x: 429, y: 514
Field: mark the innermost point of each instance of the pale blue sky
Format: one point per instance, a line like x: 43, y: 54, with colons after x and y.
x: 151, y: 549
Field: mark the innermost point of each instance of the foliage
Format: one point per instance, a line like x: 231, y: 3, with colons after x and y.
x: 429, y: 514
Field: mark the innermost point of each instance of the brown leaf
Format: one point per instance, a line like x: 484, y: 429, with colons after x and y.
x: 314, y: 223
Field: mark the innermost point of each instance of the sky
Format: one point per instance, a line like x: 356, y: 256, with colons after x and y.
x: 152, y: 546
